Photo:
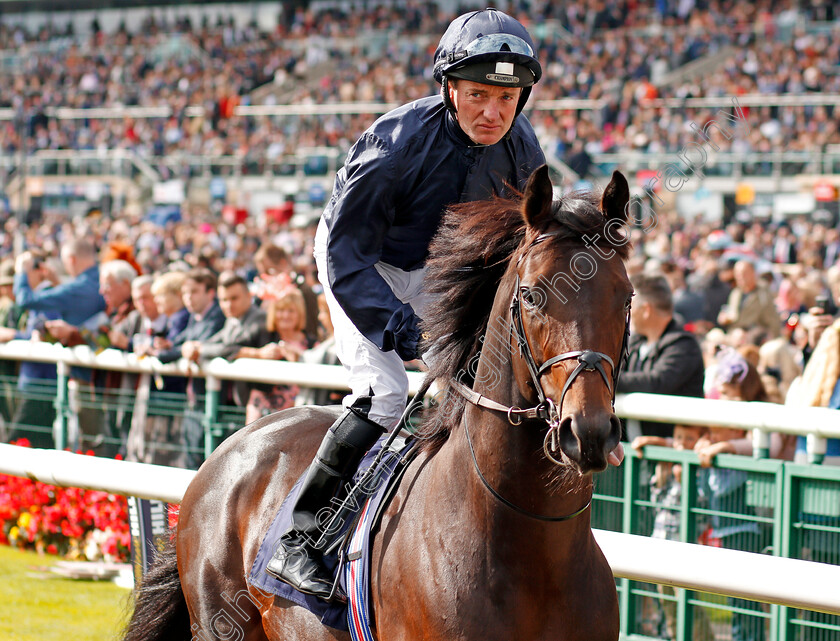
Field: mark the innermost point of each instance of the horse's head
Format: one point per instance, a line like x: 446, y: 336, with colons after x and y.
x: 569, y: 315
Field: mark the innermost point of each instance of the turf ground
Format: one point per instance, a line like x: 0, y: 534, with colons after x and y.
x: 35, y: 606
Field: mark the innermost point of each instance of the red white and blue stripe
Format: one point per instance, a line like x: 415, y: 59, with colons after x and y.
x: 357, y: 578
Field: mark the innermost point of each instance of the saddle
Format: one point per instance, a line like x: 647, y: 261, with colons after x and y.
x: 348, y: 555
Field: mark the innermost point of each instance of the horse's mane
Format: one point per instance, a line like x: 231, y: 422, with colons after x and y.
x: 468, y: 258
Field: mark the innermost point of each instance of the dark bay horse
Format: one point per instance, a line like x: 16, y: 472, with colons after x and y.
x: 488, y: 536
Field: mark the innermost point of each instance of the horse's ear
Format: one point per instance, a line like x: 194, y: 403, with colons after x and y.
x: 615, y: 198
x: 536, y: 207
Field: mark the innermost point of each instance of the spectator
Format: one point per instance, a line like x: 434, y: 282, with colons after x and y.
x: 725, y: 490
x: 323, y: 353
x: 135, y: 333
x: 706, y: 281
x: 206, y: 318
x: 169, y: 302
x: 819, y: 386
x: 33, y: 416
x: 663, y: 358
x: 778, y: 366
x: 88, y: 419
x: 75, y: 301
x: 784, y: 245
x: 177, y: 440
x: 245, y: 324
x: 750, y: 304
x: 271, y: 261
x: 689, y: 306
x: 8, y: 324
x: 244, y: 328
x: 7, y: 294
x: 115, y: 279
x: 736, y: 379
x: 287, y: 320
x: 137, y: 330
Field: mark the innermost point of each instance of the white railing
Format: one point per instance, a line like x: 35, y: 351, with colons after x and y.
x: 816, y: 423
x: 790, y: 582
x: 243, y: 369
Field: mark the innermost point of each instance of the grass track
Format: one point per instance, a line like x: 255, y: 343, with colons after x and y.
x: 55, y: 609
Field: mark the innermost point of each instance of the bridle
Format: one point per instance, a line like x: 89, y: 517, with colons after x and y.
x: 588, y: 361
x: 546, y: 409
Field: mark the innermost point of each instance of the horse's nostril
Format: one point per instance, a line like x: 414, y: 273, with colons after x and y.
x: 569, y: 443
x: 615, y: 432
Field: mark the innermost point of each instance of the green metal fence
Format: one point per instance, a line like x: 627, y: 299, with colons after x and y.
x: 184, y: 428
x: 757, y: 505
x: 753, y: 505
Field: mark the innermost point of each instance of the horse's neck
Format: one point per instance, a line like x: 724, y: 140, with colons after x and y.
x: 511, y: 460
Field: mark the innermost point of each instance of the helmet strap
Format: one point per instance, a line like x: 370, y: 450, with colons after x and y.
x: 447, y: 101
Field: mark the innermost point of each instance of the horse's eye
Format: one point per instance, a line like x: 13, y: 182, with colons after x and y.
x: 629, y: 301
x: 529, y: 297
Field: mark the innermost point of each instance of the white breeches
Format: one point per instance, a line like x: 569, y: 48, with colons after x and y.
x: 370, y: 369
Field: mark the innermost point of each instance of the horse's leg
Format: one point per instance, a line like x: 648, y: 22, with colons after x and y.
x: 225, y: 514
x: 213, y: 574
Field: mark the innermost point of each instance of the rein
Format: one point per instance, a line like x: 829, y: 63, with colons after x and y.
x: 510, y: 504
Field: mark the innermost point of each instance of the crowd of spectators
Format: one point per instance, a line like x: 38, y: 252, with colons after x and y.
x: 206, y: 291
x: 614, y: 52
x: 767, y: 289
x: 743, y: 311
x: 609, y: 51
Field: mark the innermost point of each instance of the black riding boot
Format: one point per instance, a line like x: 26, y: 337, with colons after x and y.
x: 297, y: 561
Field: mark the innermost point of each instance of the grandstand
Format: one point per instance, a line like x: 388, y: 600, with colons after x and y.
x: 190, y: 132
x: 196, y: 92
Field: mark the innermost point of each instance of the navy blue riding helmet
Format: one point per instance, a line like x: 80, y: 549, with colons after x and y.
x: 489, y: 47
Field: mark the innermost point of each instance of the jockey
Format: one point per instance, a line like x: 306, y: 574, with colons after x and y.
x: 468, y: 143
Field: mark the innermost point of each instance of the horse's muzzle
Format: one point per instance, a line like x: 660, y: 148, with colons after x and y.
x: 587, y: 440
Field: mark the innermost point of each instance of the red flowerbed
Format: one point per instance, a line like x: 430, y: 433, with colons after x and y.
x: 75, y: 523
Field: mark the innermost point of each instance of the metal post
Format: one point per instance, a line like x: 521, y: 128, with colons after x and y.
x: 629, y: 522
x: 761, y: 443
x: 61, y: 405
x: 816, y: 448
x: 789, y: 507
x: 211, y: 412
x: 688, y: 534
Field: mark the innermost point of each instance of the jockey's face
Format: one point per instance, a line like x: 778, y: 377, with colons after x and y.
x: 484, y: 112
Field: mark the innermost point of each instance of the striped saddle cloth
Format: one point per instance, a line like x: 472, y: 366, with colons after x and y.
x: 351, y: 560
